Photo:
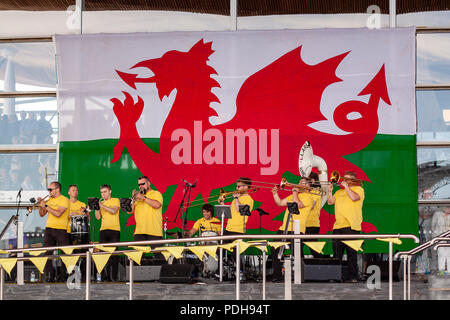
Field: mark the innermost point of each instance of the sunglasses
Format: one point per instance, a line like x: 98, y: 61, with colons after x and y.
x: 50, y: 189
x: 141, y: 184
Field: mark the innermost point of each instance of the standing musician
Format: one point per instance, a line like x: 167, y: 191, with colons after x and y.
x: 348, y: 203
x: 313, y: 221
x: 78, y: 209
x: 110, y: 229
x: 147, y: 208
x: 304, y: 200
x: 207, y: 223
x: 55, y: 233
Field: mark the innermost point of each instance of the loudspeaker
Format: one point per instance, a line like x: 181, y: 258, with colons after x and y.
x: 176, y: 273
x: 384, y: 269
x: 144, y: 273
x: 321, y: 269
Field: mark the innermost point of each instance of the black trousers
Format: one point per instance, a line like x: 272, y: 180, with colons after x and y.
x: 111, y: 269
x: 149, y: 237
x: 313, y: 230
x: 352, y: 257
x: 232, y: 254
x: 52, y: 238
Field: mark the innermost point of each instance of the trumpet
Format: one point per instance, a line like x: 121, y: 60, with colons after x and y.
x: 35, y: 204
x: 335, y: 178
x: 135, y: 193
x: 223, y: 194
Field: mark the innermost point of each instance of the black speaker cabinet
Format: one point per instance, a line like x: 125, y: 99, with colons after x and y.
x: 144, y: 273
x: 176, y: 273
x: 321, y: 269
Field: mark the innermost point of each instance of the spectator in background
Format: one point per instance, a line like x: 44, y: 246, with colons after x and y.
x: 4, y: 129
x: 44, y: 129
x: 27, y: 183
x: 14, y: 180
x: 13, y: 127
x: 425, y: 215
x: 441, y: 224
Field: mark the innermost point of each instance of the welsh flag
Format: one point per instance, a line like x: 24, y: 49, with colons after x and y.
x: 210, y: 107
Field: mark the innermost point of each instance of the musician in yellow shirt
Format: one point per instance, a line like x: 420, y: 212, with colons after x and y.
x: 77, y: 209
x: 55, y: 233
x: 313, y: 221
x: 207, y: 223
x: 110, y: 229
x: 304, y: 200
x: 348, y: 203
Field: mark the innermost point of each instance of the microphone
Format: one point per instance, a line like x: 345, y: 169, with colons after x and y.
x: 190, y: 184
x: 19, y: 194
x: 262, y: 212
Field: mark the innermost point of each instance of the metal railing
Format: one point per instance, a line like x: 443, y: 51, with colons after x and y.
x: 89, y: 254
x: 407, y: 255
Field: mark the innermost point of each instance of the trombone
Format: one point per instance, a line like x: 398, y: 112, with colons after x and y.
x: 335, y: 178
x: 35, y: 204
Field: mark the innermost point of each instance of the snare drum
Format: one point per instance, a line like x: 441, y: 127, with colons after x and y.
x: 79, y: 229
x: 209, y: 234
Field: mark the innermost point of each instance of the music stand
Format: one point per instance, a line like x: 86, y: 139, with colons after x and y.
x: 293, y: 209
x: 224, y: 211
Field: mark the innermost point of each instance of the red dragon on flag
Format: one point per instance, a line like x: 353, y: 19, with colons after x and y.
x: 275, y: 106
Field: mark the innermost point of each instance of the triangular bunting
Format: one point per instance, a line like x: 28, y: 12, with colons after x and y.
x: 177, y: 252
x: 3, y: 252
x: 243, y: 246
x: 8, y: 264
x: 106, y: 249
x: 199, y: 251
x: 211, y: 250
x: 354, y: 244
x: 36, y: 253
x: 100, y: 261
x: 393, y: 240
x: 136, y: 256
x: 228, y: 246
x: 142, y: 248
x: 70, y: 262
x: 317, y: 246
x: 276, y: 245
x: 39, y: 263
x: 67, y: 250
x: 166, y: 254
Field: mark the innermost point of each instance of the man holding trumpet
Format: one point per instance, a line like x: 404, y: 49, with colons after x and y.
x: 55, y: 234
x: 348, y: 202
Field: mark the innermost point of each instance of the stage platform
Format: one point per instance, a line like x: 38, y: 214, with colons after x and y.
x: 429, y: 287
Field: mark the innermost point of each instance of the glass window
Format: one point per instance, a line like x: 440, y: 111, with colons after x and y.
x: 433, y: 115
x: 33, y: 121
x: 27, y: 66
x: 433, y: 58
x: 430, y: 19
x: 29, y: 171
x: 433, y: 165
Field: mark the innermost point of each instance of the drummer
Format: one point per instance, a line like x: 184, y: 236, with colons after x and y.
x: 206, y: 225
x: 76, y: 208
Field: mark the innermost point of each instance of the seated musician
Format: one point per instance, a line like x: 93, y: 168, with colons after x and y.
x: 304, y: 200
x: 76, y: 208
x: 207, y: 223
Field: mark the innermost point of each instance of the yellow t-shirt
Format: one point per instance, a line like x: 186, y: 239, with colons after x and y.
x: 348, y: 213
x: 202, y: 225
x: 149, y: 219
x: 61, y: 221
x: 236, y: 223
x: 314, y: 216
x: 307, y: 200
x: 74, y: 209
x: 110, y: 221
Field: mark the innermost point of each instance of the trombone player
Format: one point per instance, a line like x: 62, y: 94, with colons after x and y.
x: 348, y: 203
x: 300, y: 195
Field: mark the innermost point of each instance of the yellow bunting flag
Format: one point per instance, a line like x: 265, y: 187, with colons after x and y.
x: 175, y: 251
x: 317, y: 246
x: 67, y: 250
x: 3, y: 252
x: 106, y: 249
x: 354, y: 244
x: 136, y: 256
x: 8, y: 264
x: 199, y: 251
x: 228, y: 246
x: 142, y: 248
x: 70, y: 262
x: 36, y: 253
x: 211, y: 250
x: 393, y: 240
x: 39, y: 263
x: 243, y: 246
x: 276, y: 245
x: 166, y: 254
x: 100, y: 261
